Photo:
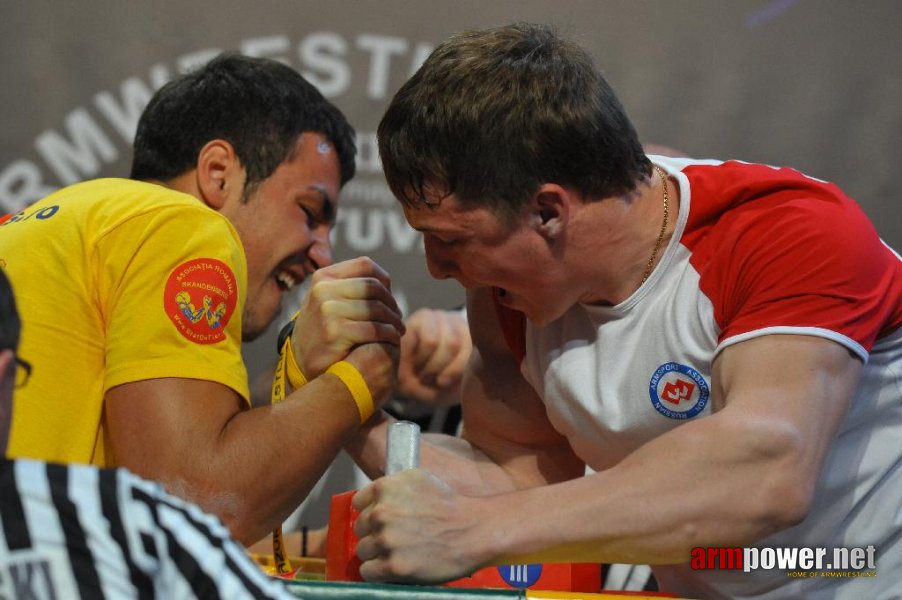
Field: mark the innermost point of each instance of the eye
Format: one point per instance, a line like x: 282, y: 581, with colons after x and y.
x: 311, y: 216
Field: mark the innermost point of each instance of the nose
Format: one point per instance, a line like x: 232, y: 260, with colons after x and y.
x: 439, y: 261
x: 320, y: 252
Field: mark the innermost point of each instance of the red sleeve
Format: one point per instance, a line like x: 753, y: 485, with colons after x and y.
x: 805, y: 256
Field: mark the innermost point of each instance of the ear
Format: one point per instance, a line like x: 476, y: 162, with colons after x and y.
x: 219, y: 173
x: 550, y: 210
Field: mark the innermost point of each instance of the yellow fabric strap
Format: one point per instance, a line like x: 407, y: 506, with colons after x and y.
x: 352, y: 378
x: 287, y: 368
x: 295, y: 375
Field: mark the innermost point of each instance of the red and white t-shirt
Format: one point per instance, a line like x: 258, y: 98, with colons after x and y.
x: 757, y: 250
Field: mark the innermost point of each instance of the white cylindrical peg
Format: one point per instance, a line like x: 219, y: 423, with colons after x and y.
x: 402, y: 447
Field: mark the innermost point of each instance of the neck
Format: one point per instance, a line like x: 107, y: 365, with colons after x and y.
x: 621, y: 233
x: 186, y: 183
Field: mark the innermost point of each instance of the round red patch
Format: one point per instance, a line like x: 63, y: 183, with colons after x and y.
x: 200, y: 298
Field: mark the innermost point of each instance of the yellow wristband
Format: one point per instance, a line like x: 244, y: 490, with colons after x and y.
x: 292, y: 370
x: 352, y: 378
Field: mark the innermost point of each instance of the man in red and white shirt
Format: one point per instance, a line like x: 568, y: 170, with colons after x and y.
x: 719, y: 341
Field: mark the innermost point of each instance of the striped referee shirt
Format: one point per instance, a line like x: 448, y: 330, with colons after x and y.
x: 83, y: 532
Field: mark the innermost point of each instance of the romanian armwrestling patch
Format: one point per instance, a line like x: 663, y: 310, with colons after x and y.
x: 200, y: 298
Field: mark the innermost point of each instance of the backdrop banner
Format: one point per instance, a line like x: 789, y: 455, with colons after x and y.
x: 813, y: 85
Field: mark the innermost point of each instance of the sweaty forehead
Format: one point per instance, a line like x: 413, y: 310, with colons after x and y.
x: 447, y: 216
x: 430, y: 208
x: 323, y: 147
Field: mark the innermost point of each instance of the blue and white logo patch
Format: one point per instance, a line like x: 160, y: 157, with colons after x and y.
x: 520, y: 576
x: 678, y: 391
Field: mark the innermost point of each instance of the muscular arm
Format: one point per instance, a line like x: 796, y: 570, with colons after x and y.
x: 251, y: 467
x: 435, y: 349
x: 506, y: 443
x: 728, y: 479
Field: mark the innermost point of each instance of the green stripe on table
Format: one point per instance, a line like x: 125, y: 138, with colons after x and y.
x: 342, y: 590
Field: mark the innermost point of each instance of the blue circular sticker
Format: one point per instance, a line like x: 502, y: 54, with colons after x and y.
x: 678, y: 391
x: 520, y: 576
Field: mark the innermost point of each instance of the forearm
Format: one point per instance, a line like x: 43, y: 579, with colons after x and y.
x: 728, y: 488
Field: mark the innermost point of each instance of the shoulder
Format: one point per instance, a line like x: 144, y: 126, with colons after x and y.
x: 137, y: 198
x: 738, y: 211
x: 776, y: 248
x: 733, y: 193
x: 126, y: 213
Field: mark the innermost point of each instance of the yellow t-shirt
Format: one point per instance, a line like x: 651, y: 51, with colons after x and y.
x: 117, y: 281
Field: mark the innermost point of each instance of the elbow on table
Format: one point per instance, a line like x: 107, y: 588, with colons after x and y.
x: 235, y: 511
x: 245, y: 524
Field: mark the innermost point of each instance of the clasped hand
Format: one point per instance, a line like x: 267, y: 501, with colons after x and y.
x: 348, y: 304
x: 413, y: 527
x: 349, y: 313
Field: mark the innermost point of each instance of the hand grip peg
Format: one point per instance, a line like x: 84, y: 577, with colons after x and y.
x: 402, y: 447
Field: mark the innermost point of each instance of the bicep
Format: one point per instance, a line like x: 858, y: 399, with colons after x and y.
x: 502, y: 414
x: 799, y: 386
x: 168, y: 428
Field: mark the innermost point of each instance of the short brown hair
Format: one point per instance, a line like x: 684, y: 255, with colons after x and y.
x: 494, y: 113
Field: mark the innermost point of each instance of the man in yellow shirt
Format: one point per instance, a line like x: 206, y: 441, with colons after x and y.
x: 136, y: 295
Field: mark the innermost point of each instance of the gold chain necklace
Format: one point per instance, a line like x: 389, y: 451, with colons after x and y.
x: 654, y: 253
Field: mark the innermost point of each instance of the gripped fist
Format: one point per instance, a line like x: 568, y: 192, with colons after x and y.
x: 348, y: 304
x: 412, y: 527
x: 435, y: 349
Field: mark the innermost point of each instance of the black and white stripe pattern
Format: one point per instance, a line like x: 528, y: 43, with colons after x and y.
x: 82, y: 532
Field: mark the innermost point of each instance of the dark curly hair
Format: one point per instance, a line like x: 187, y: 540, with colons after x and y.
x: 260, y: 106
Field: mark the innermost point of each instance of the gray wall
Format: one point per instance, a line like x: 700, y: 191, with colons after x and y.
x: 812, y: 84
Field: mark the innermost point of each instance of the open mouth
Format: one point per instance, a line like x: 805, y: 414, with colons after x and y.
x: 285, y: 280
